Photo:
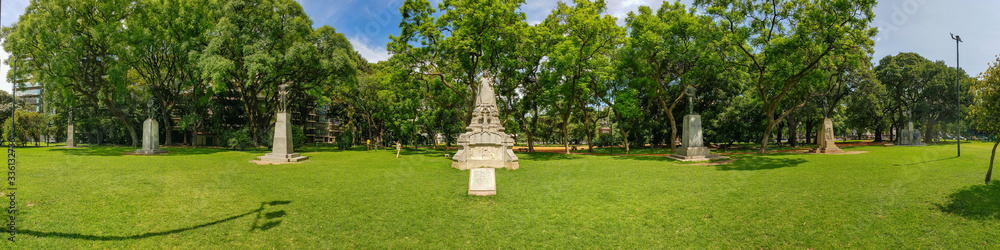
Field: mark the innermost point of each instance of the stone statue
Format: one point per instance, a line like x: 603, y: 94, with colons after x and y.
x: 149, y: 105
x: 282, y: 148
x: 826, y: 108
x: 283, y: 93
x: 690, y: 92
x: 71, y: 116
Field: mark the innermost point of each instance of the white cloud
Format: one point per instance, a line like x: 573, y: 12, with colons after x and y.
x: 371, y: 52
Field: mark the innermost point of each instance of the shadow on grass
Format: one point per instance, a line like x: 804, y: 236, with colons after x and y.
x: 761, y: 162
x: 271, y: 220
x: 980, y: 202
x: 122, y: 151
x: 546, y: 156
x: 944, y: 159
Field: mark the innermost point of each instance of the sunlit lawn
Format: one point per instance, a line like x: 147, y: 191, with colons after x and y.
x: 914, y: 197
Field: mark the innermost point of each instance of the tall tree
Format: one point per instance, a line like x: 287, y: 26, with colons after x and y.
x: 253, y: 48
x: 466, y: 39
x: 159, y: 36
x: 74, y: 48
x: 783, y: 45
x: 671, y: 49
x: 986, y: 108
x: 588, y: 40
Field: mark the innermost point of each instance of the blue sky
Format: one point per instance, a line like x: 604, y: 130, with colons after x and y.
x: 920, y: 26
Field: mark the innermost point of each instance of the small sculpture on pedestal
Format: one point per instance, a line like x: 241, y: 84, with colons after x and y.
x: 150, y: 134
x: 282, y: 149
x: 692, y: 145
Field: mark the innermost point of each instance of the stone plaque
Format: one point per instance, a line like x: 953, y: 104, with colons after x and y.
x: 482, y: 181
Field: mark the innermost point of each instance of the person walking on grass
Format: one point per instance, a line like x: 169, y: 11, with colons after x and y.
x: 398, y: 148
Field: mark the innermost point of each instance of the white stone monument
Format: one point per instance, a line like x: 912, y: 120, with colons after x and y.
x: 692, y: 144
x: 282, y: 149
x: 482, y: 181
x: 484, y: 144
x: 825, y: 143
x: 70, y: 141
x: 150, y: 135
x: 909, y: 136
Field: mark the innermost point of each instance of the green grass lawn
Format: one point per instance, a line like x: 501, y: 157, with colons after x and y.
x: 913, y: 197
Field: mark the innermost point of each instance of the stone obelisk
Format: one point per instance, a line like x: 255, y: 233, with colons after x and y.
x: 692, y: 145
x: 150, y: 135
x: 70, y: 141
x: 282, y: 150
x: 484, y: 143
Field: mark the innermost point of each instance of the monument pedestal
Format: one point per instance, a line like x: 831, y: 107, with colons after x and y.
x: 150, y: 138
x: 692, y: 146
x: 910, y: 137
x: 484, y: 143
x: 282, y: 150
x: 825, y: 141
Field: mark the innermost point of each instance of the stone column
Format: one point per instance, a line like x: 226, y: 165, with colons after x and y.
x: 150, y: 138
x: 70, y: 141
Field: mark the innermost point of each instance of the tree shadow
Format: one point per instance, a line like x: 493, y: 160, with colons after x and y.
x: 547, y: 156
x: 272, y: 216
x: 122, y: 151
x: 979, y: 202
x: 760, y: 162
x: 943, y: 159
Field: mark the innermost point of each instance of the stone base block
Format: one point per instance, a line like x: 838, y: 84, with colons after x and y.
x: 282, y: 158
x: 150, y: 152
x: 483, y: 164
x: 482, y: 192
x: 685, y: 158
x: 830, y: 150
x: 693, y: 151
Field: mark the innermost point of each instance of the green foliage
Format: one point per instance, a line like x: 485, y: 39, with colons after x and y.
x: 30, y: 126
x: 237, y: 139
x: 797, y: 59
x: 75, y: 49
x: 345, y: 140
x: 986, y: 107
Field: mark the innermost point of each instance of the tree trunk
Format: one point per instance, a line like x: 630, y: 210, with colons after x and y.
x: 625, y: 139
x: 793, y: 136
x: 673, y: 130
x: 167, y: 124
x: 565, y: 132
x: 992, y: 155
x: 928, y: 129
x: 781, y: 127
x: 809, y: 129
x: 878, y: 134
x: 124, y: 120
x: 589, y: 132
x: 767, y: 133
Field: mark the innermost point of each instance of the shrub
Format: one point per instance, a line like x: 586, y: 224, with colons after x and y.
x: 345, y: 140
x: 237, y: 139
